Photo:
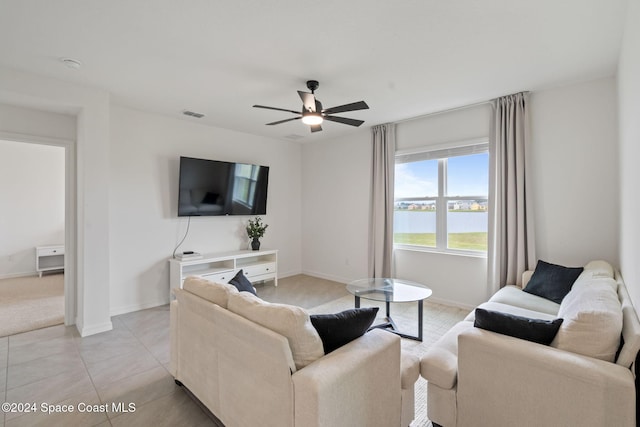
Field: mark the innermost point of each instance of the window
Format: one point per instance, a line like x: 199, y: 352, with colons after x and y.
x: 441, y: 198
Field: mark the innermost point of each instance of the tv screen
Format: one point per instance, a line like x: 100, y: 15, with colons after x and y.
x: 212, y: 187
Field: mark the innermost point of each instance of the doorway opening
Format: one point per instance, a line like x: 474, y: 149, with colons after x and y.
x: 36, y: 280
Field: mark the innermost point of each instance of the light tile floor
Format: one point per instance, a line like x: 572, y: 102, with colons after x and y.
x: 100, y: 376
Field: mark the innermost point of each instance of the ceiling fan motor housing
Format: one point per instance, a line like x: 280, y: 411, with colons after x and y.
x: 312, y: 85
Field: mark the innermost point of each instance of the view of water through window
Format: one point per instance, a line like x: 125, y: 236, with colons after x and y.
x: 461, y: 198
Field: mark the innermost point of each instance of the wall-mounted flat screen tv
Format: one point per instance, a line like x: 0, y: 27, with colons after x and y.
x: 212, y: 187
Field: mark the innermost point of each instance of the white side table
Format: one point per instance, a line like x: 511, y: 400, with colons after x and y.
x: 49, y: 258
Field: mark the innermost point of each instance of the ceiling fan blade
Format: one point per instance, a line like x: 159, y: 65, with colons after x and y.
x: 315, y: 128
x: 277, y: 109
x: 354, y: 106
x: 308, y: 100
x: 344, y: 120
x: 283, y: 121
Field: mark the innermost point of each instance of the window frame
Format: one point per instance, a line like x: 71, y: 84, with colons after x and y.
x: 473, y: 146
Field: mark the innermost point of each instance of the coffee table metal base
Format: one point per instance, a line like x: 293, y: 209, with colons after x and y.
x: 390, y: 325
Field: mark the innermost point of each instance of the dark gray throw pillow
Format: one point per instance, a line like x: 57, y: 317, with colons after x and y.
x: 536, y: 330
x: 552, y: 281
x: 338, y: 329
x: 241, y: 282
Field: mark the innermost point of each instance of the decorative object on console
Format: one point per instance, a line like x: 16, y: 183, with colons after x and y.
x: 552, y: 281
x: 338, y: 329
x: 185, y: 256
x: 255, y: 230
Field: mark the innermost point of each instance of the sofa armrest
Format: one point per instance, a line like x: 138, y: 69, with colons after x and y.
x: 504, y: 381
x: 355, y: 385
x: 526, y: 276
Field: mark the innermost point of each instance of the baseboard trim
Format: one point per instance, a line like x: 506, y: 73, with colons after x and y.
x: 327, y: 276
x: 283, y: 274
x: 85, y: 331
x: 451, y: 303
x: 136, y: 307
x: 16, y: 275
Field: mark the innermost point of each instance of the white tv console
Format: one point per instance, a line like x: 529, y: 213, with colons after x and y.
x: 257, y: 266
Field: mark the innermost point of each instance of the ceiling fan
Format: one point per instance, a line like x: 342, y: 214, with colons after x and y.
x: 313, y: 114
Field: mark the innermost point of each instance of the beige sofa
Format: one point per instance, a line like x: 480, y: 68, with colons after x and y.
x: 250, y: 375
x: 584, y: 378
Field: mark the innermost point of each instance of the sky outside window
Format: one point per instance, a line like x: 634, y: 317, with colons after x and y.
x: 416, y: 179
x: 466, y: 176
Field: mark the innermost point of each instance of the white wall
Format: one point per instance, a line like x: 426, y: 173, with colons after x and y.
x: 335, y: 207
x: 629, y: 113
x: 574, y: 161
x: 23, y: 121
x: 32, y: 202
x: 575, y: 172
x: 144, y: 226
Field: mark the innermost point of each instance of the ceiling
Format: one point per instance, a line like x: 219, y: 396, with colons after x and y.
x: 405, y: 58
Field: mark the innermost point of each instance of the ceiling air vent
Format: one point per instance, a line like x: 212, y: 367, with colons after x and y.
x: 193, y: 114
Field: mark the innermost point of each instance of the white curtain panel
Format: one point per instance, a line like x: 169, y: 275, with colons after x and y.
x: 381, y: 221
x: 511, y: 248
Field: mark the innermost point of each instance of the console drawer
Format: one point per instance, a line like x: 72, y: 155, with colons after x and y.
x: 223, y: 277
x: 251, y: 271
x: 50, y: 251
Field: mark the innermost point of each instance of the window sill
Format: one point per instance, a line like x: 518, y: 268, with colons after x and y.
x: 453, y: 252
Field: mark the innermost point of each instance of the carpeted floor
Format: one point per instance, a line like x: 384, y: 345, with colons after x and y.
x: 28, y: 303
x: 438, y: 319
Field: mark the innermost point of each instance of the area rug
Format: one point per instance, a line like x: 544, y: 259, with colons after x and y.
x: 437, y: 319
x: 28, y: 303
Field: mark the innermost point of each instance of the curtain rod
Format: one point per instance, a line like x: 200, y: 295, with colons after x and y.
x: 450, y: 110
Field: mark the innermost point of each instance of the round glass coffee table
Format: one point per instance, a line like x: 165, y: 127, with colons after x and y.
x: 388, y: 291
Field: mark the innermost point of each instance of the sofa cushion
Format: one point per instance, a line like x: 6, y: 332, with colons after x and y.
x: 511, y: 309
x: 535, y: 330
x: 338, y: 329
x: 513, y: 295
x: 588, y: 280
x: 289, y: 321
x: 217, y: 293
x: 439, y: 364
x: 592, y: 321
x: 599, y: 268
x: 241, y: 282
x: 552, y: 281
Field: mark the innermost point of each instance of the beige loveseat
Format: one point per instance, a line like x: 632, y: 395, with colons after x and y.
x: 584, y: 378
x: 250, y: 375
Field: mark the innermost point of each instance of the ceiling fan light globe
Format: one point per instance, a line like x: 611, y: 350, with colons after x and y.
x: 312, y: 119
